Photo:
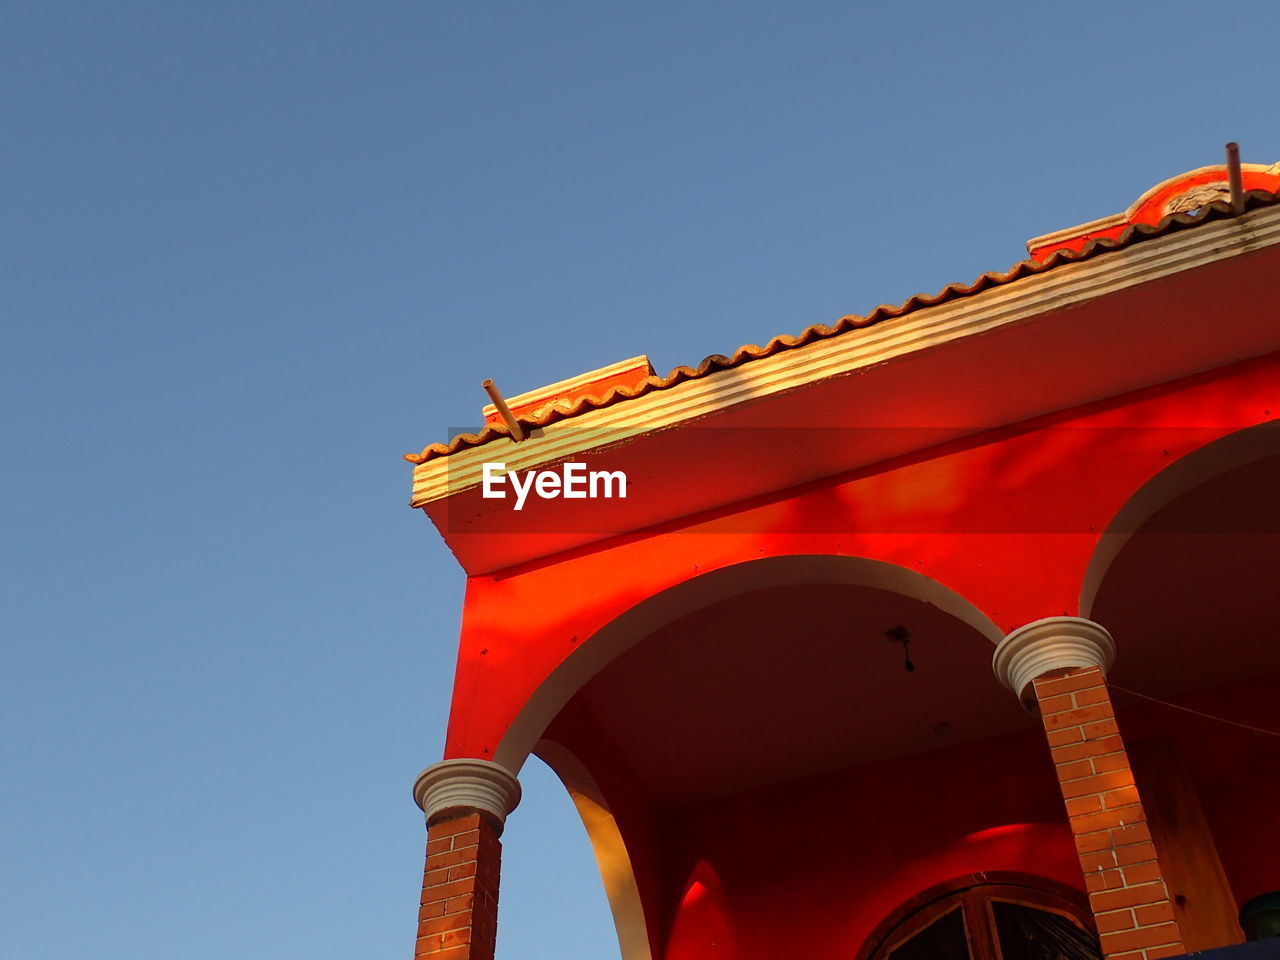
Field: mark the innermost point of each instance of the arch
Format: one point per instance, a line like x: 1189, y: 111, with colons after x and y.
x: 1052, y: 894
x: 1201, y: 465
x: 622, y: 633
x: 614, y: 861
x: 1182, y: 193
x: 1157, y: 201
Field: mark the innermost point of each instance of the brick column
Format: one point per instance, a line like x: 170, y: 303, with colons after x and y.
x: 458, y: 919
x: 1058, y: 668
x: 466, y: 803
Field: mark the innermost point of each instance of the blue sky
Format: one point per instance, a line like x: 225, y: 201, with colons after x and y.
x: 254, y: 252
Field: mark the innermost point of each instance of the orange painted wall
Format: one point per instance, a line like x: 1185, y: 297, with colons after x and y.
x: 1008, y: 520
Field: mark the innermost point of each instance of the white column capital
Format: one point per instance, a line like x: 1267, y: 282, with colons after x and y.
x: 481, y: 786
x: 1054, y: 643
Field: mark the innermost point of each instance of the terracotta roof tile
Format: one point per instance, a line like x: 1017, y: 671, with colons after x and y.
x: 955, y: 291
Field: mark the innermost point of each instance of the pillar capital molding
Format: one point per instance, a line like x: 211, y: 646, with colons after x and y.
x: 453, y: 787
x: 1054, y: 643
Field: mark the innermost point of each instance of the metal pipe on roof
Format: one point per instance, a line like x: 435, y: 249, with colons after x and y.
x: 1234, y: 177
x: 509, y: 418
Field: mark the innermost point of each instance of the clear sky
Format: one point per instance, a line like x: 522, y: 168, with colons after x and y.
x: 254, y: 252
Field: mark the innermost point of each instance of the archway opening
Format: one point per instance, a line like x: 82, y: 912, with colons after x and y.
x: 555, y: 901
x: 826, y: 730
x: 1191, y: 599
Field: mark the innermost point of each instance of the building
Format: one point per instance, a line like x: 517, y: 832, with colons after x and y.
x: 765, y: 674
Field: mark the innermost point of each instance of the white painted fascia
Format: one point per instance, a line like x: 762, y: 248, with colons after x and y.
x: 841, y: 355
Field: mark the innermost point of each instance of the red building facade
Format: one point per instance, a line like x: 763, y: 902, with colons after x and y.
x: 949, y: 630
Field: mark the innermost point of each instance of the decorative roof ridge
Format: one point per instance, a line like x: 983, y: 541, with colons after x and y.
x: 1135, y: 233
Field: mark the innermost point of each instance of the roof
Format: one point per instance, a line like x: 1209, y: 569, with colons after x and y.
x: 1088, y: 249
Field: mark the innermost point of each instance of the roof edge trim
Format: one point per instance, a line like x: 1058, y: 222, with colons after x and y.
x: 824, y: 357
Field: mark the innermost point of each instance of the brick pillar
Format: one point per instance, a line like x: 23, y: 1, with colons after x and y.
x: 1058, y: 666
x: 458, y: 919
x: 1127, y: 889
x: 466, y: 803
